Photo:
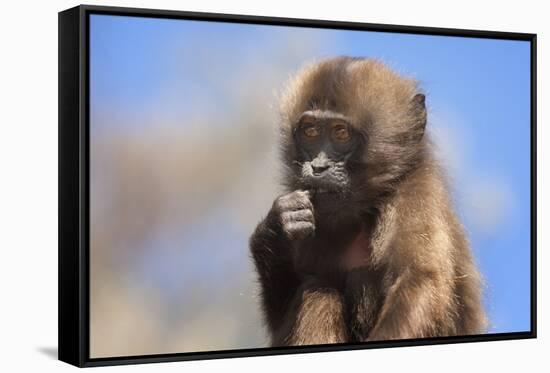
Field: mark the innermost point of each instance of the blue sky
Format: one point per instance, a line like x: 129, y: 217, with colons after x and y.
x: 478, y: 94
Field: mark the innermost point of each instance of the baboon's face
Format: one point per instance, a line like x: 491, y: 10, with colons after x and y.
x: 325, y: 142
x: 351, y: 129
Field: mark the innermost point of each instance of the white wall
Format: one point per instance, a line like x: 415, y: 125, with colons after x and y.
x: 28, y: 170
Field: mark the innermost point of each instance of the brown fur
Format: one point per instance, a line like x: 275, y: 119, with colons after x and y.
x: 420, y: 279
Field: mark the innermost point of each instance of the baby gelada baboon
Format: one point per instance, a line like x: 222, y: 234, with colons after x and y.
x: 364, y: 245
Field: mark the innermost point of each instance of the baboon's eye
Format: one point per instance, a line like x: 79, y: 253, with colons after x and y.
x: 311, y: 131
x: 340, y: 132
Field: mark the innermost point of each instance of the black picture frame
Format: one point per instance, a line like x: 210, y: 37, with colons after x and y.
x: 74, y: 190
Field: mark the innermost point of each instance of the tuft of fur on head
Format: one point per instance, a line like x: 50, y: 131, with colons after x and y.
x: 386, y: 108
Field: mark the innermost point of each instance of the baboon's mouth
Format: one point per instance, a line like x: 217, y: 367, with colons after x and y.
x: 322, y: 186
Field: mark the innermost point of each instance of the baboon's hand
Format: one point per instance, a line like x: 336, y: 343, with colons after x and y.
x: 294, y: 213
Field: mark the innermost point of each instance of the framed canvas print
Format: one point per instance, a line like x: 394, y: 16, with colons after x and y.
x: 239, y: 186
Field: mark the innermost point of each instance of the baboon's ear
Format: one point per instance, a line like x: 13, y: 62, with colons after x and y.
x: 419, y: 108
x: 419, y: 101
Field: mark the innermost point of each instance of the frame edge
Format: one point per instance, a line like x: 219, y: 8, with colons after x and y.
x: 70, y: 349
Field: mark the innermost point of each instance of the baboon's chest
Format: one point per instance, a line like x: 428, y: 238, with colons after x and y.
x: 358, y: 252
x: 328, y: 256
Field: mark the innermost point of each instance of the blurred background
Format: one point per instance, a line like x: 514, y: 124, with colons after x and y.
x: 183, y: 133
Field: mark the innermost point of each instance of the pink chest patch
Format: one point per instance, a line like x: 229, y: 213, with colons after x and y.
x: 358, y: 253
